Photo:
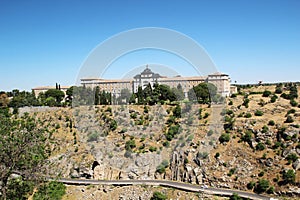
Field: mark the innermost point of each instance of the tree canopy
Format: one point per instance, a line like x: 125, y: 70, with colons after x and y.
x: 23, y: 147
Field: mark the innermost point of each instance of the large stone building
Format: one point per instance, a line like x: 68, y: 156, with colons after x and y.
x: 221, y: 81
x: 43, y: 89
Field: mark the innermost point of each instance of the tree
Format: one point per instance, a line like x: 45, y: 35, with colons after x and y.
x: 125, y: 95
x: 97, y: 95
x: 23, y: 147
x: 58, y: 95
x: 178, y: 92
x: 69, y: 94
x: 204, y: 92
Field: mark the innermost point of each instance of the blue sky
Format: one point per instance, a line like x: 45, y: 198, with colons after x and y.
x: 44, y: 42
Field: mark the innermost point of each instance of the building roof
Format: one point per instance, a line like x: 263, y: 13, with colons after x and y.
x: 50, y: 87
x: 218, y: 74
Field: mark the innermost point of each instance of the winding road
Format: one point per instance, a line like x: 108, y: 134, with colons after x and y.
x: 164, y: 183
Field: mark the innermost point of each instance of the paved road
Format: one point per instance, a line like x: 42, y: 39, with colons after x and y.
x: 164, y: 183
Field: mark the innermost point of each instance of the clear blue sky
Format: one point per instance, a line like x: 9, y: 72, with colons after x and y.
x: 44, y: 42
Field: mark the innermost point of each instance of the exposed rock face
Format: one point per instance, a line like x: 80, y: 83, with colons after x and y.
x: 296, y: 164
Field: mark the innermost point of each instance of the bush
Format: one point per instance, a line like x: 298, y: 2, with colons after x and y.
x: 225, y: 137
x: 166, y: 144
x: 231, y: 171
x: 113, y: 125
x: 247, y: 137
x: 246, y: 102
x: 217, y: 155
x: 271, y: 123
x: 162, y: 167
x: 152, y: 149
x: 266, y: 93
x: 260, y: 146
x: 271, y: 190
x: 258, y: 113
x: 278, y: 90
x: 265, y: 129
x: 210, y: 133
x: 248, y: 115
x: 262, y: 173
x: 130, y: 144
x: 206, y: 115
x: 289, y: 119
x: 289, y: 176
x: 92, y: 137
x: 158, y: 196
x: 235, y: 196
x: 177, y: 111
x: 292, y: 157
x: 261, y: 186
x: 251, y: 185
x: 52, y: 190
x: 274, y: 98
x: 293, y: 103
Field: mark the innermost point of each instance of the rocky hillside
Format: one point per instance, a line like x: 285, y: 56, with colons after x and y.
x: 249, y: 143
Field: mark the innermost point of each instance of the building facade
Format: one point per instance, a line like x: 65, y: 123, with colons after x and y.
x: 44, y: 89
x: 220, y: 80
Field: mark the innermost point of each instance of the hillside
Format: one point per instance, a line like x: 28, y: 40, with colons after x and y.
x: 185, y: 143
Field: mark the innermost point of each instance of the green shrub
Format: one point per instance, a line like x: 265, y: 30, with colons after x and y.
x: 166, y: 144
x: 266, y: 93
x: 130, y: 144
x: 289, y: 119
x: 248, y: 115
x: 289, y: 176
x: 293, y: 103
x: 162, y: 167
x: 231, y: 171
x: 251, y: 185
x: 292, y: 157
x: 210, y: 133
x: 152, y: 149
x: 235, y: 196
x: 225, y: 137
x: 261, y: 173
x: 53, y: 190
x: 278, y: 90
x: 217, y: 155
x: 206, y: 115
x: 271, y: 123
x: 258, y: 113
x: 113, y: 125
x: 261, y: 186
x: 247, y: 137
x: 291, y: 111
x: 265, y: 129
x: 158, y: 196
x: 260, y: 146
x: 271, y: 190
x: 274, y: 98
x: 92, y: 137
